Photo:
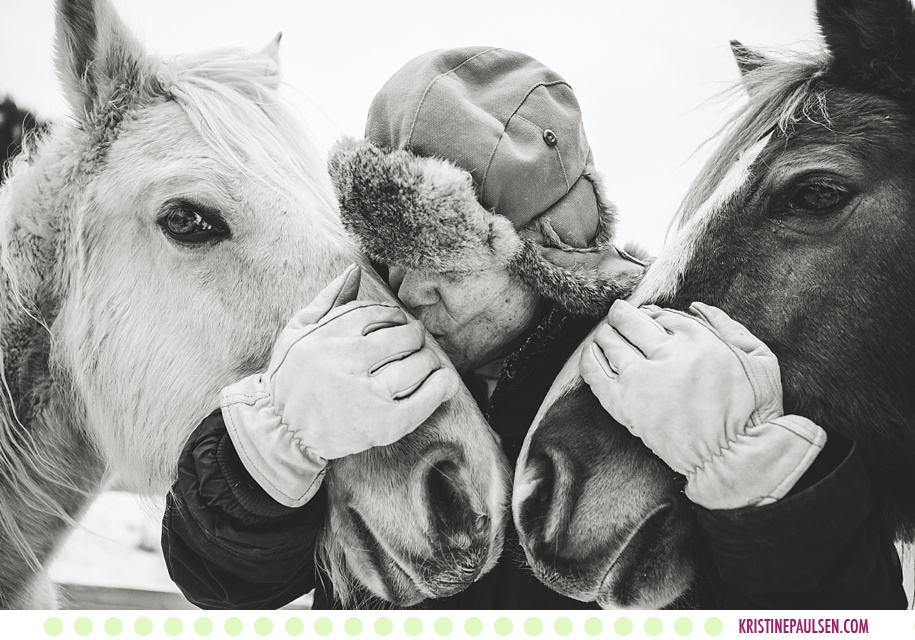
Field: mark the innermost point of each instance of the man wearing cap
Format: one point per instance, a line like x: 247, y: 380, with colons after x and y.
x: 509, y: 267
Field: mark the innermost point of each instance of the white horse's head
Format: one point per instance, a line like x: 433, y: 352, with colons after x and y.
x: 198, y: 216
x: 172, y: 228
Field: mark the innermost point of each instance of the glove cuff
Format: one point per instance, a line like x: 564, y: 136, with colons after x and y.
x: 759, y: 467
x: 267, y: 447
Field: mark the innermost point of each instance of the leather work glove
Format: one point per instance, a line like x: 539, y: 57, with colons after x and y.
x: 705, y: 396
x: 344, y: 376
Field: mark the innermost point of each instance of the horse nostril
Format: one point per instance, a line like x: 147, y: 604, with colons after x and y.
x: 448, y: 503
x: 546, y: 512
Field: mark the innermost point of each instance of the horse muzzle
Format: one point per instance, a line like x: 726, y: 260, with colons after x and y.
x: 599, y: 517
x: 448, y: 534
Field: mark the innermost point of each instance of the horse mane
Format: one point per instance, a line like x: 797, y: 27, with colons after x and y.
x: 778, y: 93
x: 32, y: 479
x: 240, y: 91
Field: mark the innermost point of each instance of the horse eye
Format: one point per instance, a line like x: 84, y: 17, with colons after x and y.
x: 817, y: 198
x: 191, y: 224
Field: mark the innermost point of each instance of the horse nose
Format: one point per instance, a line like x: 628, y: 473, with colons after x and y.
x: 459, y: 532
x: 546, y: 499
x: 449, y: 505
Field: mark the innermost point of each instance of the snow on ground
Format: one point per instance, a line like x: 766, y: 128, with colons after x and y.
x: 116, y: 545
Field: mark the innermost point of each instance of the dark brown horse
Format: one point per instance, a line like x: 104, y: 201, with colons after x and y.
x: 802, y: 227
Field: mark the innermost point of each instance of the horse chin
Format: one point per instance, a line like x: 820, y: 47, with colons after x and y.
x: 649, y: 572
x: 406, y: 579
x: 641, y: 568
x: 385, y: 578
x: 422, y: 518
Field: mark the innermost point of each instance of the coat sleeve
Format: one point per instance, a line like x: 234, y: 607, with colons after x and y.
x: 227, y: 544
x: 823, y: 546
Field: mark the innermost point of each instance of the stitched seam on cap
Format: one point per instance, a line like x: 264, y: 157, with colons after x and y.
x: 565, y: 174
x: 531, y: 90
x: 521, y: 104
x: 533, y: 124
x: 492, y: 157
x: 422, y: 100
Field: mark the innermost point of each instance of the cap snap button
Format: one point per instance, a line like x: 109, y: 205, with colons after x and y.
x: 549, y: 137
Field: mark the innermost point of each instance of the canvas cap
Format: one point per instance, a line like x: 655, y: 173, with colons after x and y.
x: 478, y: 156
x: 510, y: 121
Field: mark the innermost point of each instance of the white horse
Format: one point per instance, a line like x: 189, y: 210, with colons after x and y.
x: 151, y: 249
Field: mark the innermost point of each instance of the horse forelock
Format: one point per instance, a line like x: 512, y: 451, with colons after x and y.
x: 776, y: 95
x: 254, y: 124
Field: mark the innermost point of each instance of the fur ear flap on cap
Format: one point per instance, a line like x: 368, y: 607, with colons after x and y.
x: 418, y: 213
x: 584, y: 283
x: 584, y: 280
x: 423, y: 214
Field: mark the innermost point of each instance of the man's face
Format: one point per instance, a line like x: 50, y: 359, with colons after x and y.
x: 474, y: 317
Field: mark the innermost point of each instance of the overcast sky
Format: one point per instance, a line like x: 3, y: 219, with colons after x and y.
x: 644, y: 71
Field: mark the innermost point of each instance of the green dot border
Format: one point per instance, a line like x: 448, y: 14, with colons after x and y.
x: 354, y: 625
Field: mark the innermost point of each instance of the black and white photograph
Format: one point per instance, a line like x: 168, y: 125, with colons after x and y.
x: 484, y: 306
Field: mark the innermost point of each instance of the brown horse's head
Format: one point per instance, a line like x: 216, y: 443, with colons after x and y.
x: 801, y: 227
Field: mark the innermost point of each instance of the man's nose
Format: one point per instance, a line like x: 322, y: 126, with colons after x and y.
x: 417, y: 290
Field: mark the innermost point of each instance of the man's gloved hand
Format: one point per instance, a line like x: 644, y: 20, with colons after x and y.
x: 705, y: 396
x: 345, y: 376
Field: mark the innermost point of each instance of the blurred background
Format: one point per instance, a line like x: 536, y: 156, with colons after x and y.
x: 649, y: 77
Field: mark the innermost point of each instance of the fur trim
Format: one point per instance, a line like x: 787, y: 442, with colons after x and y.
x: 606, y: 229
x: 420, y: 213
x: 423, y: 214
x: 581, y: 293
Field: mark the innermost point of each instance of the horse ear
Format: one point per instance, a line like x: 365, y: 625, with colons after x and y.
x: 872, y: 42
x: 747, y: 59
x: 272, y: 50
x: 95, y: 52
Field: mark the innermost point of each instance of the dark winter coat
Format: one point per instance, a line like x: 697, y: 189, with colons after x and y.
x: 228, y: 545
